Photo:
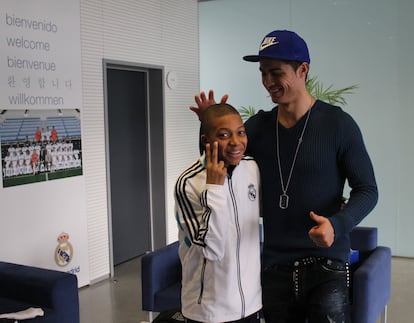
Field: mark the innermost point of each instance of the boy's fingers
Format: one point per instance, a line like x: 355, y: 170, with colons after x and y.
x: 208, y: 153
x: 215, y: 152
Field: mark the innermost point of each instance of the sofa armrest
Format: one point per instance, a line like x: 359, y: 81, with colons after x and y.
x: 159, y: 269
x: 45, y: 288
x: 371, y: 286
x: 364, y: 239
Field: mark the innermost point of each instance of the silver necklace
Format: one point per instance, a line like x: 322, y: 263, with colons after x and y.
x: 284, y: 198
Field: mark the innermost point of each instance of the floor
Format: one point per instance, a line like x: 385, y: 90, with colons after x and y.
x: 118, y: 300
x: 115, y: 300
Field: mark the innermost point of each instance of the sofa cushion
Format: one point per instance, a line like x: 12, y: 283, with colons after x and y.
x: 54, y: 291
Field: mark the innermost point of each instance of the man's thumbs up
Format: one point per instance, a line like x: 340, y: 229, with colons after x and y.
x: 322, y: 233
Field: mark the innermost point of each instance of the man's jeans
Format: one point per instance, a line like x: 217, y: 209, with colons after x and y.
x: 313, y: 290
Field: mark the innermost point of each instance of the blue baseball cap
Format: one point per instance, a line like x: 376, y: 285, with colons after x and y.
x: 283, y: 45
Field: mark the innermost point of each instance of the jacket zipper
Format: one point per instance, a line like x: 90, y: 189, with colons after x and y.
x: 203, y: 270
x: 236, y: 220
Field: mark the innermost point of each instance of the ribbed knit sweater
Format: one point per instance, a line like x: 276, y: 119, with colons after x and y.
x: 332, y: 152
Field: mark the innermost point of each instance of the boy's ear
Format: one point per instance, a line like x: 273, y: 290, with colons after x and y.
x: 204, y: 140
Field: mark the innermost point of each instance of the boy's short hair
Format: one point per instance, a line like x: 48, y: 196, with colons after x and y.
x: 214, y: 111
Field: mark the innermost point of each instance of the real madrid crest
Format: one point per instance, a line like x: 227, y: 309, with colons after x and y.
x: 64, y: 250
x: 252, y: 192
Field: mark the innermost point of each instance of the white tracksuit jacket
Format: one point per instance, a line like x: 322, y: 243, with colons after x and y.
x: 219, y: 243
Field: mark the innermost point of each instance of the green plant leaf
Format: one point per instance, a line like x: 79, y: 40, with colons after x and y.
x: 328, y: 94
x: 247, y: 112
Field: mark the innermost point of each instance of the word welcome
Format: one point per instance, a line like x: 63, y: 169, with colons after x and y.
x: 21, y: 42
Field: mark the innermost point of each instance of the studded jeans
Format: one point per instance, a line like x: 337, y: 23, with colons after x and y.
x: 313, y: 290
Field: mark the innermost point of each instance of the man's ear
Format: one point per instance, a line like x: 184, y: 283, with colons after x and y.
x: 304, y: 69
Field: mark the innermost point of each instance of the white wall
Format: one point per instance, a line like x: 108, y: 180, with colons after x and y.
x: 156, y: 32
x: 43, y: 223
x: 368, y: 43
x: 404, y: 221
x: 149, y: 32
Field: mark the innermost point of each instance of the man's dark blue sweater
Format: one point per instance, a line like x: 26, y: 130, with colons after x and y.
x: 332, y: 152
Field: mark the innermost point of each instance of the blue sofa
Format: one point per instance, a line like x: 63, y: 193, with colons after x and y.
x: 54, y: 291
x: 370, y: 290
x: 371, y: 277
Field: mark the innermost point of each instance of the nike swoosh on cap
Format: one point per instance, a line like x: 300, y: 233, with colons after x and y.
x: 268, y: 41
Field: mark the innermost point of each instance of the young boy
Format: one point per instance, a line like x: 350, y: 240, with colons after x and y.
x: 217, y: 209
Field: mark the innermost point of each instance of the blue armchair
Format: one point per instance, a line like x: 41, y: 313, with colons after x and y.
x: 371, y: 278
x: 161, y: 280
x: 55, y: 292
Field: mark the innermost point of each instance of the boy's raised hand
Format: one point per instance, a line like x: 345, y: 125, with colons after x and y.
x: 216, y: 170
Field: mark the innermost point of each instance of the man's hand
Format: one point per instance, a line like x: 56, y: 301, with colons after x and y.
x: 203, y: 102
x: 216, y: 170
x: 322, y: 234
